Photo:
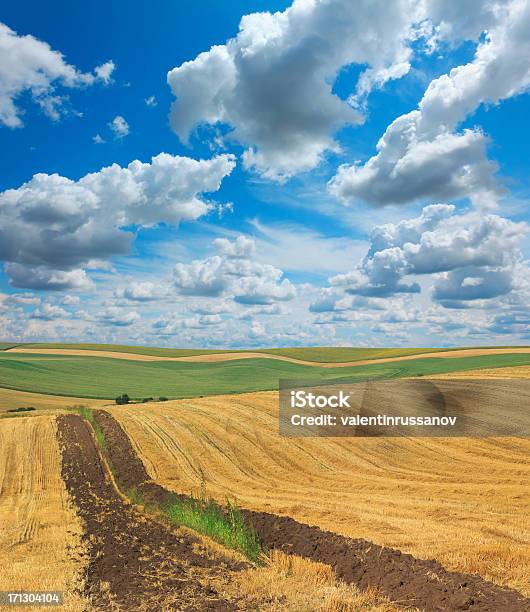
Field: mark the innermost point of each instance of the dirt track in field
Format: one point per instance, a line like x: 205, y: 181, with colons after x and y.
x: 135, y: 563
x: 218, y: 357
x: 401, y: 577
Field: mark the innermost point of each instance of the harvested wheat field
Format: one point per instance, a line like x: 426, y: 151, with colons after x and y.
x: 515, y: 372
x: 412, y: 582
x: 288, y: 583
x: 40, y: 547
x: 10, y: 399
x: 462, y: 501
x: 143, y: 564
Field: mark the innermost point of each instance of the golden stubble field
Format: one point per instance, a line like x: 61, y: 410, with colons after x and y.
x: 463, y: 501
x: 520, y: 372
x: 44, y: 404
x: 40, y: 541
x: 40, y: 533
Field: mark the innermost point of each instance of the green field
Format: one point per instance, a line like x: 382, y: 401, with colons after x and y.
x: 101, y: 377
x: 7, y: 345
x: 317, y: 354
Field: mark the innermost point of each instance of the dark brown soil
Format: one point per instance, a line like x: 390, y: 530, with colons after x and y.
x: 134, y: 563
x: 128, y: 469
x: 408, y: 581
x: 401, y: 577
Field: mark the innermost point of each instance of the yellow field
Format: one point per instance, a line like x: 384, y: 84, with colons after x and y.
x: 39, y: 533
x: 513, y: 372
x: 462, y: 501
x: 287, y: 583
x: 40, y: 540
x: 10, y: 398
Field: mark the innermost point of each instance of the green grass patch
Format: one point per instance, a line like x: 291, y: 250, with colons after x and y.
x: 204, y: 515
x: 106, y: 378
x: 224, y: 525
x: 87, y: 414
x: 133, y: 495
x: 7, y: 345
x: 124, y: 348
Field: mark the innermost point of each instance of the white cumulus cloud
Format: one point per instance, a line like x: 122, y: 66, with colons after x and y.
x: 272, y: 83
x: 234, y: 274
x: 28, y: 64
x: 53, y: 228
x: 469, y: 256
x: 119, y: 127
x: 105, y: 71
x: 421, y: 156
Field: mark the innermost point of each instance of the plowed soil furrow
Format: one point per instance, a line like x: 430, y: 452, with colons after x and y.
x: 401, y: 577
x: 135, y: 563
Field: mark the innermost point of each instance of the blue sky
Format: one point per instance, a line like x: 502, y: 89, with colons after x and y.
x: 316, y: 173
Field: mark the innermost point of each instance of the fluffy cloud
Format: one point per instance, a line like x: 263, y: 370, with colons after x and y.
x: 264, y: 285
x: 118, y: 317
x: 30, y: 65
x: 174, y: 325
x: 333, y: 300
x: 19, y: 299
x: 420, y: 156
x: 40, y: 277
x: 471, y: 256
x: 119, y: 127
x: 272, y: 83
x: 407, y: 168
x: 242, y: 247
x: 70, y: 300
x: 51, y: 227
x: 464, y: 20
x: 49, y: 312
x: 233, y: 274
x: 473, y: 283
x: 513, y: 317
x: 137, y: 291
x: 105, y: 71
x: 201, y: 277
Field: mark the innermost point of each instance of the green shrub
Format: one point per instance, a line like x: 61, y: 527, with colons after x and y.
x: 162, y: 399
x: 22, y: 409
x: 122, y: 399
